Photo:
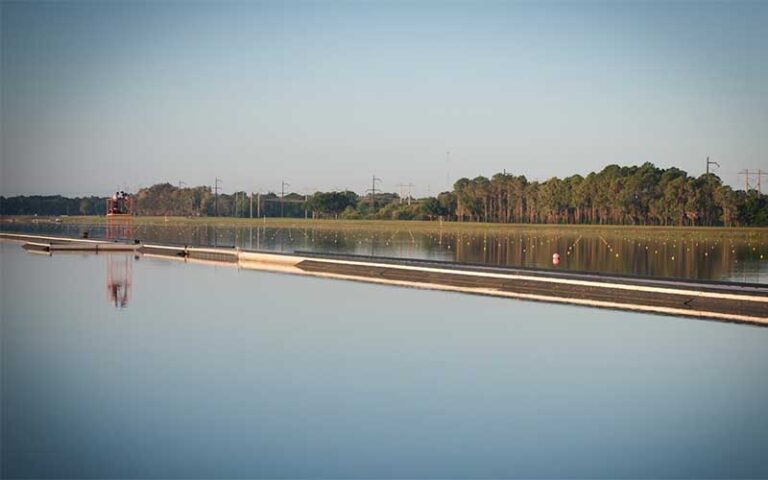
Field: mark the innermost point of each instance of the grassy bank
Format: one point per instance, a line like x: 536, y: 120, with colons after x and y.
x: 388, y: 225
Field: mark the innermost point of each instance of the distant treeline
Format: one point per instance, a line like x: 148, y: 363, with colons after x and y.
x: 637, y: 195
x: 643, y: 195
x: 52, y: 205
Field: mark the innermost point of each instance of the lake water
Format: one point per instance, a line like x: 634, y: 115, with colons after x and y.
x: 114, y: 366
x: 706, y: 254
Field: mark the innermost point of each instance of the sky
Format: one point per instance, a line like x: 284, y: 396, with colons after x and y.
x: 101, y: 96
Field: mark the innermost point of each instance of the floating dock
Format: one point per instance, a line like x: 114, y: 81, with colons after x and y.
x: 724, y: 301
x: 46, y: 244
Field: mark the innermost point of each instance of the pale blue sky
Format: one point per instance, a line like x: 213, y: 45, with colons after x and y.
x: 97, y: 96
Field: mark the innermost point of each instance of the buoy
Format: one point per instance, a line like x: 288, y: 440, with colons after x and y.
x: 555, y: 258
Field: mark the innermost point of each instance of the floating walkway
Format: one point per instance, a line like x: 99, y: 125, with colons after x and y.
x: 725, y: 301
x: 40, y: 243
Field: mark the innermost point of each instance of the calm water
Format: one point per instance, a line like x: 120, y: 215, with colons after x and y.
x: 699, y: 254
x: 117, y: 367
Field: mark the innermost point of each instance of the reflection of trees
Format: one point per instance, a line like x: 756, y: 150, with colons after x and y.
x: 687, y: 254
x: 686, y: 258
x: 702, y: 254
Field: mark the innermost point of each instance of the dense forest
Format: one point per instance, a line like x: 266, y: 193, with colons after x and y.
x: 637, y: 195
x: 52, y: 205
x: 643, y: 195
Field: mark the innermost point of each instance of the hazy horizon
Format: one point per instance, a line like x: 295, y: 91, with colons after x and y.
x: 101, y: 96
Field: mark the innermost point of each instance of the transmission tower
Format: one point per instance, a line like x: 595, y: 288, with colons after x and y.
x: 216, y: 195
x: 746, y: 179
x: 283, y: 184
x: 403, y: 188
x: 373, y: 191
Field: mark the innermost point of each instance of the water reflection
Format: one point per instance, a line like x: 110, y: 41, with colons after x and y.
x: 707, y: 254
x: 119, y: 279
x: 119, y: 266
x: 427, y: 384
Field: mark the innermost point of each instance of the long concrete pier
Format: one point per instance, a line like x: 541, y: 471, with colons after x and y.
x: 724, y: 301
x: 46, y: 243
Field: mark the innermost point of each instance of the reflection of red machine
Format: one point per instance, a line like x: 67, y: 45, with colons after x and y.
x: 119, y: 278
x: 119, y: 265
x: 120, y: 204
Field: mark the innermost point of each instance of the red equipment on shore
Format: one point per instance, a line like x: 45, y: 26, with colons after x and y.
x: 120, y: 203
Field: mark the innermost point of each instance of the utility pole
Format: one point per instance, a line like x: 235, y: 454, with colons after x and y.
x: 711, y: 162
x: 760, y: 173
x: 448, y: 170
x: 190, y: 203
x: 373, y: 191
x: 746, y: 179
x: 250, y: 212
x: 216, y: 195
x: 258, y: 205
x: 282, y: 197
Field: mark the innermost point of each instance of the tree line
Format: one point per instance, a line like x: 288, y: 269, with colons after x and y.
x: 634, y: 195
x: 52, y: 205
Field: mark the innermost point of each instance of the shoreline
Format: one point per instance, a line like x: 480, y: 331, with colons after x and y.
x: 341, y: 224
